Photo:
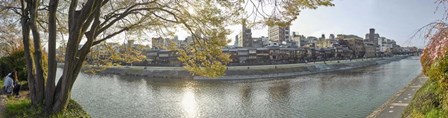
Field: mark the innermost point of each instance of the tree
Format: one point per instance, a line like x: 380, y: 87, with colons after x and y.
x: 88, y: 19
x: 437, y: 35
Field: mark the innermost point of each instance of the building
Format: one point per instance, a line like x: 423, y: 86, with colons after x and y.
x: 297, y: 40
x: 386, y: 46
x: 370, y: 49
x: 278, y: 34
x: 326, y: 43
x: 354, y: 43
x: 332, y: 36
x: 103, y: 51
x: 165, y: 43
x: 159, y: 43
x: 322, y: 43
x: 323, y: 37
x: 259, y: 42
x: 309, y: 41
x: 373, y: 38
x: 237, y: 42
x: 245, y: 36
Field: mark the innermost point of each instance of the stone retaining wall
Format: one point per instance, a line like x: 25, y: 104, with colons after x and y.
x: 259, y: 73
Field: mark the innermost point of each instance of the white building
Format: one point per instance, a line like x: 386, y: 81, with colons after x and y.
x: 279, y: 34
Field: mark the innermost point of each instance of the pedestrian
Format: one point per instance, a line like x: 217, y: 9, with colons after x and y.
x: 8, y: 83
x: 16, y: 84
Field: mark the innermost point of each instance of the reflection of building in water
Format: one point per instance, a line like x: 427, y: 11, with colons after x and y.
x: 246, y: 95
x: 280, y: 92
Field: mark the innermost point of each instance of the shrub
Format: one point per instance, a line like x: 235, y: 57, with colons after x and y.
x: 17, y: 60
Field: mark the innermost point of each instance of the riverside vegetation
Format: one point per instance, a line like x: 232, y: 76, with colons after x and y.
x: 431, y: 100
x: 21, y: 107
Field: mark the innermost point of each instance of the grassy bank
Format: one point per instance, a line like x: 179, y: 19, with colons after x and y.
x: 427, y: 103
x: 431, y: 100
x: 21, y: 108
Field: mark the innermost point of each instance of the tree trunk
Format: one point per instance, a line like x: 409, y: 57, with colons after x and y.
x: 26, y: 45
x: 39, y: 77
x: 74, y: 58
x: 50, y: 85
x: 65, y: 85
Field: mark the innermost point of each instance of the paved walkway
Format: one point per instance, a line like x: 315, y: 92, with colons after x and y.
x: 395, y: 106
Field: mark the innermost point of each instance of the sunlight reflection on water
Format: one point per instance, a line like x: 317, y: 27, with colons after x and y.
x: 353, y: 93
x: 189, y: 102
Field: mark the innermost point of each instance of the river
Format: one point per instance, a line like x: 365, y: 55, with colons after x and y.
x: 350, y: 94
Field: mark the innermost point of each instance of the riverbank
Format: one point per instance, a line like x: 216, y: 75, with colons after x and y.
x: 20, y: 107
x: 429, y: 102
x: 396, y: 105
x: 252, y: 72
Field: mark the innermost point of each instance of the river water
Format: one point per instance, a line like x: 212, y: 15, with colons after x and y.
x: 349, y: 94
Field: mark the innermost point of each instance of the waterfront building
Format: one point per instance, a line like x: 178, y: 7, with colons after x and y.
x: 278, y: 34
x: 245, y: 36
x: 237, y: 42
x: 309, y: 41
x: 322, y: 37
x: 243, y: 55
x: 354, y: 43
x: 259, y: 42
x: 158, y: 43
x: 297, y: 40
x: 370, y: 49
x: 326, y: 43
x: 165, y: 43
x: 332, y: 36
x: 386, y: 46
x: 372, y: 36
x: 374, y: 39
x: 102, y: 51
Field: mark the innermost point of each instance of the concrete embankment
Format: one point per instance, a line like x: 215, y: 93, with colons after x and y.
x: 253, y: 72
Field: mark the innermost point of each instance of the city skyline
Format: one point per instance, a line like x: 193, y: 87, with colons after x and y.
x: 398, y: 20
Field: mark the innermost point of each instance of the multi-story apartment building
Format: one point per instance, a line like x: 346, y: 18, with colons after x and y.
x: 278, y: 34
x: 245, y: 35
x: 354, y: 43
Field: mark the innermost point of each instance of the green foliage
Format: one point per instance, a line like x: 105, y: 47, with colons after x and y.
x: 73, y: 110
x: 22, y: 108
x: 426, y: 102
x: 435, y: 113
x: 205, y: 58
x: 431, y: 101
x: 14, y: 60
x: 439, y: 72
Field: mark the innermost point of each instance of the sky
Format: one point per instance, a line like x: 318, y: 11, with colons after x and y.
x: 395, y: 19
